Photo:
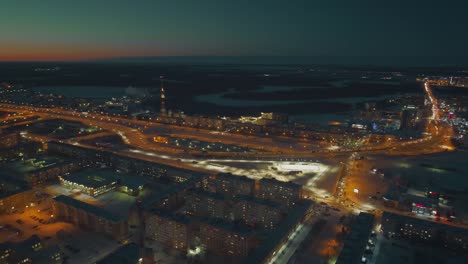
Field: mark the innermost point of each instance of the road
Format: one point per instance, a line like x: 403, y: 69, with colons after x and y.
x: 288, y: 249
x: 132, y: 132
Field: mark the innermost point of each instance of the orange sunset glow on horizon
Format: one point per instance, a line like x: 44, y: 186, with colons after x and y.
x: 54, y: 52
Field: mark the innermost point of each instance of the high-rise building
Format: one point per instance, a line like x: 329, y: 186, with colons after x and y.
x: 207, y: 204
x: 357, y: 240
x: 257, y: 212
x: 89, y: 217
x: 230, y: 185
x: 226, y: 239
x: 408, y: 118
x: 172, y: 230
x: 284, y: 193
x: 128, y: 253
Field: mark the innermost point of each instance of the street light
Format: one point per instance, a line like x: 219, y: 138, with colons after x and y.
x: 356, y: 191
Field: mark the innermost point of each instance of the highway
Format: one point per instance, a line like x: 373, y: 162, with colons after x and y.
x: 131, y: 131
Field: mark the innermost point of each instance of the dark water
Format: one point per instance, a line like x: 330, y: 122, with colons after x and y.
x: 229, y: 86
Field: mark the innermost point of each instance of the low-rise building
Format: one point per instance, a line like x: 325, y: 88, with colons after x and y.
x: 96, y: 182
x: 89, y: 182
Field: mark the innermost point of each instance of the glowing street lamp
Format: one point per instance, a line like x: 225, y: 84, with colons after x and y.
x: 356, y: 191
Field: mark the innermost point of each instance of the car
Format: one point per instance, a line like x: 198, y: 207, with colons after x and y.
x: 19, y: 221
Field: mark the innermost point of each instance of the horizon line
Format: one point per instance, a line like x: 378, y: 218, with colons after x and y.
x: 303, y: 60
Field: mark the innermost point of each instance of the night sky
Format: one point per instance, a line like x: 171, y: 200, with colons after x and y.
x: 81, y: 30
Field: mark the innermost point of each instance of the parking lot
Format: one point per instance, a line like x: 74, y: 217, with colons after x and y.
x: 33, y: 220
x: 80, y: 246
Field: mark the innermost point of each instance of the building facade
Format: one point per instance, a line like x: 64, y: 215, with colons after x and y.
x: 168, y: 229
x: 89, y: 217
x: 258, y: 213
x: 226, y: 241
x: 415, y: 229
x: 230, y: 185
x: 284, y: 193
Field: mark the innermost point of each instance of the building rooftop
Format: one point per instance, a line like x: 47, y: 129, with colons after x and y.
x: 234, y: 227
x: 355, y: 242
x: 198, y: 191
x: 421, y: 200
x: 88, y: 208
x: 176, y: 172
x: 23, y: 245
x: 127, y: 254
x: 10, y: 186
x: 176, y: 217
x: 99, y: 177
x: 35, y: 164
x: 253, y: 199
x: 172, y: 189
x: 227, y: 175
x: 422, y: 222
x: 275, y: 181
x: 273, y: 237
x: 131, y: 181
x: 31, y: 248
x: 92, y: 178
